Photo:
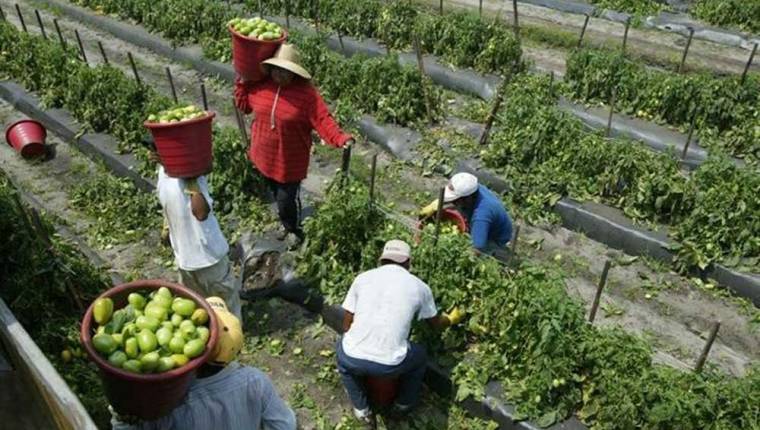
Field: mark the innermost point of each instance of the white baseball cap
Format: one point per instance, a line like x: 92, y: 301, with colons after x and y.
x: 397, y: 251
x: 460, y: 185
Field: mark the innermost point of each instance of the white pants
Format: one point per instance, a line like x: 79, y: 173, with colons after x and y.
x: 216, y: 280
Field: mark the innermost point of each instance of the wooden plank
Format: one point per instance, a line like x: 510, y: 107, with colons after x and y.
x: 65, y: 408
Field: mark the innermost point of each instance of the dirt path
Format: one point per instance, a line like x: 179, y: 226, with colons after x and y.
x: 674, y: 318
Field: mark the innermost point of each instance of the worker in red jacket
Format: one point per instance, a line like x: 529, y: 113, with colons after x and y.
x: 286, y: 107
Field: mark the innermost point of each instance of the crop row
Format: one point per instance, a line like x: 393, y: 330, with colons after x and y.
x: 727, y: 110
x: 524, y: 331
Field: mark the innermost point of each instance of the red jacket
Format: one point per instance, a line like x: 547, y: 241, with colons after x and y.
x: 281, y: 140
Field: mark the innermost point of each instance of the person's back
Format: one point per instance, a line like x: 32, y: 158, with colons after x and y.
x: 237, y: 397
x: 385, y: 301
x: 490, y: 221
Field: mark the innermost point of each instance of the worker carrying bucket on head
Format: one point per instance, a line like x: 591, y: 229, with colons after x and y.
x: 489, y: 222
x: 379, y: 309
x: 225, y: 393
x: 287, y: 107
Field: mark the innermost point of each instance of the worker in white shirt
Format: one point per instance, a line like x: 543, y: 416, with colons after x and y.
x: 197, y: 240
x: 379, y: 309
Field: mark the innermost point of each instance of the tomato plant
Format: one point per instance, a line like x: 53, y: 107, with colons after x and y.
x: 729, y: 13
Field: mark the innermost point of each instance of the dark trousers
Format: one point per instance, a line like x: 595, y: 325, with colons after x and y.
x: 288, y: 198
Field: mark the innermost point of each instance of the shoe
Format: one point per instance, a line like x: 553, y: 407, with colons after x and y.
x: 366, y: 417
x: 400, y: 411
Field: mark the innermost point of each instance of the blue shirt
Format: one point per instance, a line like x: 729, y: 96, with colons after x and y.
x: 489, y: 222
x: 238, y: 397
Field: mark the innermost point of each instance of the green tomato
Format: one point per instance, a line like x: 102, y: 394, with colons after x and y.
x: 118, y: 338
x: 163, y: 336
x: 157, y: 312
x: 147, y: 323
x: 128, y: 330
x: 168, y: 325
x: 104, y: 343
x: 102, y: 310
x: 147, y: 341
x: 199, y: 317
x: 136, y: 299
x: 176, y: 320
x: 164, y: 364
x: 117, y: 358
x: 184, y: 307
x: 150, y: 361
x: 203, y: 333
x: 177, y: 345
x: 194, y: 348
x: 161, y: 301
x: 131, y: 347
x: 163, y: 291
x: 133, y: 366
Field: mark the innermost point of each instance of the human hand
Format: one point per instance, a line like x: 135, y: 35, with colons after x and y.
x: 349, y: 143
x: 191, y: 186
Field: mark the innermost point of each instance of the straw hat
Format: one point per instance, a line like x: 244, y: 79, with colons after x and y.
x: 288, y: 57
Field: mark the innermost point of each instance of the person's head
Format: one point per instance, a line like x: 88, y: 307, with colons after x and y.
x: 284, y: 67
x: 461, y: 191
x: 230, y: 339
x: 396, y: 252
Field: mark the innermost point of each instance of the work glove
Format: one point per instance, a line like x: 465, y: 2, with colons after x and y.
x: 429, y: 210
x: 455, y: 316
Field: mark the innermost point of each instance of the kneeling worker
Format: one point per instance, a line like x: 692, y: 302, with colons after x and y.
x: 379, y: 309
x: 489, y: 223
x: 226, y: 394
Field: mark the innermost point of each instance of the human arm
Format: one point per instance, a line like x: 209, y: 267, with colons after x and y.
x: 198, y: 203
x: 348, y: 319
x: 325, y: 125
x: 479, y: 233
x: 241, y: 92
x: 349, y: 307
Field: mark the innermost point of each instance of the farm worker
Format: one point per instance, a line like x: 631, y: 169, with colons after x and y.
x: 489, y: 223
x: 199, y: 246
x: 378, y: 313
x: 286, y: 107
x: 225, y: 393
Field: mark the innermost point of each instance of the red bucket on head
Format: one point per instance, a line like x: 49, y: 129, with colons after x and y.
x: 381, y: 391
x: 185, y: 146
x: 146, y: 396
x: 27, y: 137
x: 248, y: 53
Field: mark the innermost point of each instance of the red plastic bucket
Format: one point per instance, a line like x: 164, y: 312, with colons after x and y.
x: 184, y: 147
x: 248, y: 53
x: 381, y: 391
x: 447, y: 214
x: 146, y: 396
x: 27, y: 137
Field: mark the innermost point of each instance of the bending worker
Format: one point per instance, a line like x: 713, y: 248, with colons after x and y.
x: 489, y: 223
x: 225, y: 394
x: 379, y: 309
x: 287, y: 107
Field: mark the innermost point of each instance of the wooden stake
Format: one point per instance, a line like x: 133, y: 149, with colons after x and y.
x: 287, y: 14
x: 373, y: 174
x: 203, y: 96
x: 686, y: 50
x: 316, y: 14
x: 171, y: 84
x: 2, y: 14
x: 81, y: 46
x: 241, y: 125
x: 612, y: 111
x: 691, y: 133
x: 438, y: 213
x: 261, y: 10
x: 421, y: 67
x: 749, y: 63
x: 599, y: 288
x: 134, y: 68
x: 21, y: 18
x: 516, y: 20
x: 39, y: 22
x: 340, y: 40
x: 625, y: 35
x: 514, y: 241
x: 583, y: 30
x: 103, y: 52
x: 494, y: 110
x: 345, y: 165
x: 706, y: 350
x: 480, y: 8
x: 440, y: 7
x: 58, y: 30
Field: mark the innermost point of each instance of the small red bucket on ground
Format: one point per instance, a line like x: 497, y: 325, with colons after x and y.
x: 381, y: 391
x: 184, y: 147
x: 146, y: 396
x: 27, y: 137
x: 248, y: 53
